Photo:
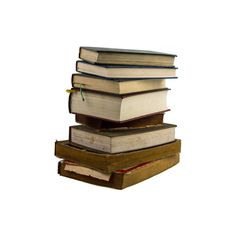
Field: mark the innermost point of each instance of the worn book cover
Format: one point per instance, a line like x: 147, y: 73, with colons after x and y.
x: 119, y: 179
x: 116, y: 141
x: 110, y: 162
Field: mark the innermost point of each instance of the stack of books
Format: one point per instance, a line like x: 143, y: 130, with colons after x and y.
x: 119, y: 97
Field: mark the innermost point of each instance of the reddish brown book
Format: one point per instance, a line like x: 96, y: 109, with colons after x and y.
x: 100, y: 124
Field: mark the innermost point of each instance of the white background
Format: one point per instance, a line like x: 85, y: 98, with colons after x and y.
x: 38, y: 49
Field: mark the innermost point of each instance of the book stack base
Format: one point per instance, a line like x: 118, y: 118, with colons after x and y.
x: 120, y: 179
x: 119, y: 170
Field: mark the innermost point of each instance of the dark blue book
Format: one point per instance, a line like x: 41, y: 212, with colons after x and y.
x: 117, y: 85
x: 116, y: 56
x: 125, y: 71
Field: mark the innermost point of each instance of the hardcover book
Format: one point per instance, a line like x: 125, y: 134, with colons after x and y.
x: 122, y: 140
x: 100, y: 124
x: 125, y: 56
x: 107, y: 162
x: 117, y: 86
x: 125, y: 71
x: 118, y: 108
x: 118, y: 179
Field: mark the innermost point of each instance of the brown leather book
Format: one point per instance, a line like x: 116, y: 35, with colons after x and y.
x: 100, y: 124
x: 118, y: 179
x: 109, y: 162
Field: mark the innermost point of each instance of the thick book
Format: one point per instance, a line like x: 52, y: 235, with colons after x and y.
x: 118, y: 108
x: 118, y: 179
x: 122, y: 140
x: 125, y: 56
x: 116, y: 85
x: 100, y: 124
x: 107, y: 162
x: 125, y: 71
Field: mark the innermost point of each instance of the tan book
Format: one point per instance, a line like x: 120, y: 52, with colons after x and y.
x: 117, y: 86
x: 118, y: 179
x: 125, y: 56
x: 121, y: 71
x: 109, y: 162
x: 118, y: 108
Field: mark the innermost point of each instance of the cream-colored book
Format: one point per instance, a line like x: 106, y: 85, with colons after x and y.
x: 118, y: 108
x: 126, y: 56
x: 122, y: 140
x: 125, y: 71
x: 117, y: 86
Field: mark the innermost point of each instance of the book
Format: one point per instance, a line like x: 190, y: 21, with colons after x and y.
x: 117, y: 108
x: 108, y: 162
x: 118, y: 179
x: 100, y: 124
x: 116, y: 85
x: 125, y: 56
x: 122, y: 140
x: 125, y: 71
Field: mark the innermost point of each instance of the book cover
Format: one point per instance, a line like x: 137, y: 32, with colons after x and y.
x: 101, y: 124
x: 126, y: 71
x: 121, y: 179
x: 100, y: 55
x: 119, y: 50
x: 108, y: 162
x: 117, y: 107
